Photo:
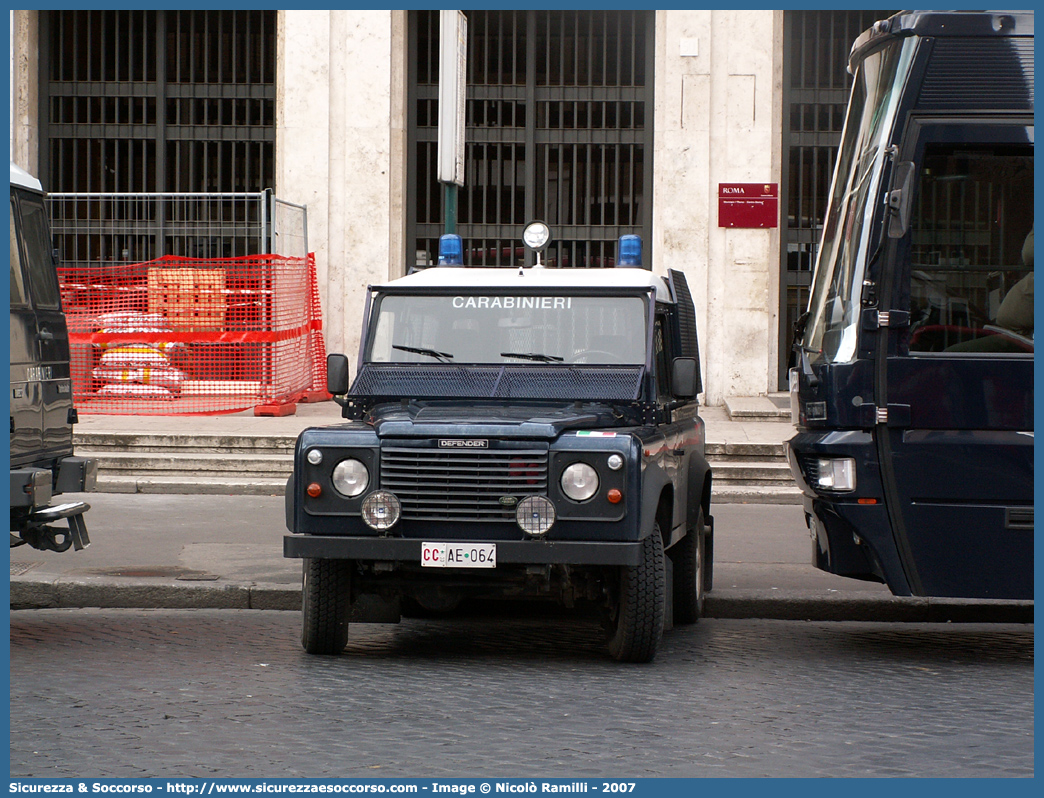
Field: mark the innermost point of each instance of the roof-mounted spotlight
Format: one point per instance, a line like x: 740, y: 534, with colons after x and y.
x: 536, y: 237
x: 451, y: 250
x: 630, y: 251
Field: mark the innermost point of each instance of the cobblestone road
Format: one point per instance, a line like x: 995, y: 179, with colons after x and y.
x: 121, y: 693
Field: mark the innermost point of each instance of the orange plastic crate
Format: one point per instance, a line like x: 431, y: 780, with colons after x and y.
x: 191, y: 299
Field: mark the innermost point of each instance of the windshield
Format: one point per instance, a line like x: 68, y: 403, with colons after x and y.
x: 517, y: 329
x: 833, y: 310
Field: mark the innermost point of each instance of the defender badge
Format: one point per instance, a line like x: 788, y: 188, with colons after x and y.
x: 463, y: 443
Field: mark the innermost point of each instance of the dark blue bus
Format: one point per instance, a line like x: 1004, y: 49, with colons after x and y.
x: 913, y: 385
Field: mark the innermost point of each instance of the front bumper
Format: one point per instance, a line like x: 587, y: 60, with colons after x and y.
x: 851, y: 532
x: 526, y: 552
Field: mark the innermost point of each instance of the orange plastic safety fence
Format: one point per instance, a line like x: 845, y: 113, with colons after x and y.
x: 179, y: 336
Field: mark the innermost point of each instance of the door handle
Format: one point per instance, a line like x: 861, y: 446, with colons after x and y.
x: 45, y: 335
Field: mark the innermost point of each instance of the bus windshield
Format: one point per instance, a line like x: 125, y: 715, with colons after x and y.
x: 830, y: 333
x: 503, y: 329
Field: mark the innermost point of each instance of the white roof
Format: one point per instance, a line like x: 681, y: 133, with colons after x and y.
x: 20, y: 177
x: 510, y: 279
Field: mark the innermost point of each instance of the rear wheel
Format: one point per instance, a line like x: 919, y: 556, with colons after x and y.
x: 326, y: 605
x: 689, y: 559
x: 638, y: 610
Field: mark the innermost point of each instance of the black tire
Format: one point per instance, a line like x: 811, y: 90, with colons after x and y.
x: 638, y: 609
x: 326, y: 605
x: 689, y: 559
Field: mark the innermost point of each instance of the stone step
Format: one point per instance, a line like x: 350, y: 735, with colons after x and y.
x: 140, y: 464
x: 773, y: 407
x: 754, y: 494
x: 284, y: 444
x: 718, y: 452
x: 169, y: 443
x: 192, y: 485
x: 259, y: 464
x: 752, y: 473
x: 257, y: 486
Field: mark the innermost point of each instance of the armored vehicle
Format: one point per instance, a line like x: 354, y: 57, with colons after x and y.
x: 42, y: 412
x: 914, y: 390
x: 511, y: 433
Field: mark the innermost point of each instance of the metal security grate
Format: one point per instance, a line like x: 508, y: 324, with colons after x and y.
x: 449, y: 485
x: 559, y: 128
x: 816, y: 84
x: 157, y: 101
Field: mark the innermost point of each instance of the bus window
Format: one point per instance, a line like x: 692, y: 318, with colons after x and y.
x: 18, y: 299
x: 834, y: 305
x: 43, y: 281
x: 971, y: 287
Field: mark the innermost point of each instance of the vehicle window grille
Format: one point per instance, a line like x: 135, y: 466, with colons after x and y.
x: 956, y: 78
x: 451, y: 485
x: 579, y: 383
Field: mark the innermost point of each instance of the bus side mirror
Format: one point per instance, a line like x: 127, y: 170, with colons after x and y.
x: 900, y: 199
x: 684, y: 377
x: 337, y: 374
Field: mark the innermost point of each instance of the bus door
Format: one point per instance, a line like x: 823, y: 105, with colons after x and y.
x: 957, y: 446
x: 41, y: 393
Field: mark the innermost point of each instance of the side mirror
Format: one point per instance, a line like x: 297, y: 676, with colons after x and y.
x: 900, y: 199
x: 337, y: 374
x: 685, y: 377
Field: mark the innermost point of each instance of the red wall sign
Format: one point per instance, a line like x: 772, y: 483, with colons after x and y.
x: 748, y: 204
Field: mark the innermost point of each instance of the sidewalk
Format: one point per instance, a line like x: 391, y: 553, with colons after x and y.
x: 142, y: 557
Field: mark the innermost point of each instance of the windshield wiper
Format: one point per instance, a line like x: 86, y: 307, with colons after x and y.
x: 442, y: 357
x: 533, y: 356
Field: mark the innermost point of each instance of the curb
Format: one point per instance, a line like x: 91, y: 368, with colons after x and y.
x: 131, y: 593
x: 75, y: 593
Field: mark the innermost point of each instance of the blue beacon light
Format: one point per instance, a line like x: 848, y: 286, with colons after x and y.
x: 451, y: 250
x: 630, y: 250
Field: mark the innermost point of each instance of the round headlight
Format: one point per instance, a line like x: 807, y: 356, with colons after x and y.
x: 350, y: 478
x: 579, y: 482
x: 536, y: 235
x: 535, y: 514
x: 381, y: 510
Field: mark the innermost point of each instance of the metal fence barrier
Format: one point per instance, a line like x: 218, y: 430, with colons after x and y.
x: 98, y: 229
x: 189, y: 303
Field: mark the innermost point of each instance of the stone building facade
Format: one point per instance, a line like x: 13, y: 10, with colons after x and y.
x: 342, y: 142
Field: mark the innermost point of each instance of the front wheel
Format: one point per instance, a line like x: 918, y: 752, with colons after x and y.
x: 689, y: 559
x: 638, y: 609
x: 326, y: 605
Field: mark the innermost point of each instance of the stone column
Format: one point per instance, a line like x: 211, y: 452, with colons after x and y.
x: 717, y: 121
x: 25, y: 98
x: 334, y: 143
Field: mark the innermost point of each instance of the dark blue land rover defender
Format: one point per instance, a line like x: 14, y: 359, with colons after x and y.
x: 511, y: 433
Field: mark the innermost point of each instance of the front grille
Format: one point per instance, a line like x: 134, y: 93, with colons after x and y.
x: 810, y: 467
x: 451, y: 485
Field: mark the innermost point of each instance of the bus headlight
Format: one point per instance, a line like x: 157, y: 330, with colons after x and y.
x: 835, y: 473
x: 350, y: 477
